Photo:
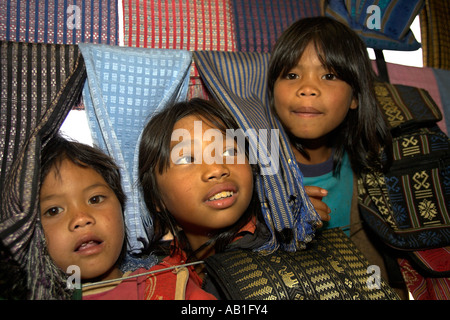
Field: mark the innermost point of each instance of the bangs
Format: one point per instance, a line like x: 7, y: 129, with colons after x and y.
x: 334, y: 43
x: 293, y: 59
x: 334, y: 57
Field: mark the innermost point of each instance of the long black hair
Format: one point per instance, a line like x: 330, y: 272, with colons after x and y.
x: 154, y: 158
x: 364, y: 132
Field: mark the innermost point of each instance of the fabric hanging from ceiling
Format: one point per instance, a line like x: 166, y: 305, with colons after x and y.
x: 435, y: 33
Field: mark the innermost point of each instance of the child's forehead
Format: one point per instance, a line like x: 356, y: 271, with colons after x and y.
x: 63, y: 165
x: 65, y: 170
x: 311, y: 47
x: 195, y: 129
x: 198, y: 122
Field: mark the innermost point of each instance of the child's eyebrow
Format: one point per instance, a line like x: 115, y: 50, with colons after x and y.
x: 48, y: 197
x: 97, y: 185
x: 181, y: 144
x: 88, y: 188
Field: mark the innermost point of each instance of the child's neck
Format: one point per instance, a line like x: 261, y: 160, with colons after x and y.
x: 196, y: 241
x: 315, y: 155
x: 317, y: 150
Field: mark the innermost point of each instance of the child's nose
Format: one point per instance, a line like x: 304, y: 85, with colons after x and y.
x: 308, y: 93
x: 82, y: 218
x: 216, y: 171
x: 307, y: 88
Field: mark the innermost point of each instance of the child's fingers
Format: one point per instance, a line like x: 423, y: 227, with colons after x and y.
x: 315, y: 195
x: 317, y: 192
x: 322, y: 209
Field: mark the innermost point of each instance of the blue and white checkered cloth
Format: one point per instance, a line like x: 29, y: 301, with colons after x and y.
x: 125, y: 86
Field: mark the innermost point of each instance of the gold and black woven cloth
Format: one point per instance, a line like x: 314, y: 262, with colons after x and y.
x: 331, y: 268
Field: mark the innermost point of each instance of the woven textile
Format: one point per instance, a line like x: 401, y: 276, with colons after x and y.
x: 425, y: 78
x: 330, y: 268
x: 63, y: 22
x: 423, y: 288
x: 403, y: 105
x: 435, y: 262
x: 237, y: 80
x: 40, y: 84
x: 435, y: 34
x: 408, y: 207
x: 443, y: 83
x: 390, y: 32
x: 185, y: 24
x: 125, y: 86
x: 259, y: 23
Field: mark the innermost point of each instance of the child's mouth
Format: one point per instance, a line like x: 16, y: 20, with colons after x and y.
x: 221, y: 195
x: 307, y: 112
x: 222, y: 200
x: 87, y: 245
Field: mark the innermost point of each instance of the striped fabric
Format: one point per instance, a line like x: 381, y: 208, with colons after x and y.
x: 40, y: 84
x: 395, y: 18
x: 435, y: 33
x: 237, y: 80
x: 436, y: 261
x: 424, y: 288
x: 62, y: 22
x: 259, y: 23
x: 125, y: 86
x: 185, y: 24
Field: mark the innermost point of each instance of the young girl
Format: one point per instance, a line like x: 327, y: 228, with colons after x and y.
x: 194, y: 186
x: 320, y: 84
x: 81, y: 202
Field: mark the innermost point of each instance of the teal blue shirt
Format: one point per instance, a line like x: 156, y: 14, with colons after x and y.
x: 340, y: 189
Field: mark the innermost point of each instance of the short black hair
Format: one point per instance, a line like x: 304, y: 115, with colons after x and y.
x: 58, y: 149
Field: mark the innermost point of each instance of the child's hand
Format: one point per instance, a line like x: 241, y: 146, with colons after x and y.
x: 315, y: 195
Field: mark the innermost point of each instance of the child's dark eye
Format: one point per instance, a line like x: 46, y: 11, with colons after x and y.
x: 230, y: 152
x: 291, y: 76
x: 96, y: 199
x: 185, y: 160
x: 53, y: 211
x: 330, y: 76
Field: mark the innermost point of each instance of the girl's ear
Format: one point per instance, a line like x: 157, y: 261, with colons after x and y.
x: 354, y: 103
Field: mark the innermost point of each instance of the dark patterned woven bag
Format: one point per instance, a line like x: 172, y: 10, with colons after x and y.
x: 330, y: 268
x: 408, y: 207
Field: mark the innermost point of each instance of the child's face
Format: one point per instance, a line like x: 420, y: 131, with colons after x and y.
x: 310, y: 101
x: 82, y: 220
x: 204, y: 197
